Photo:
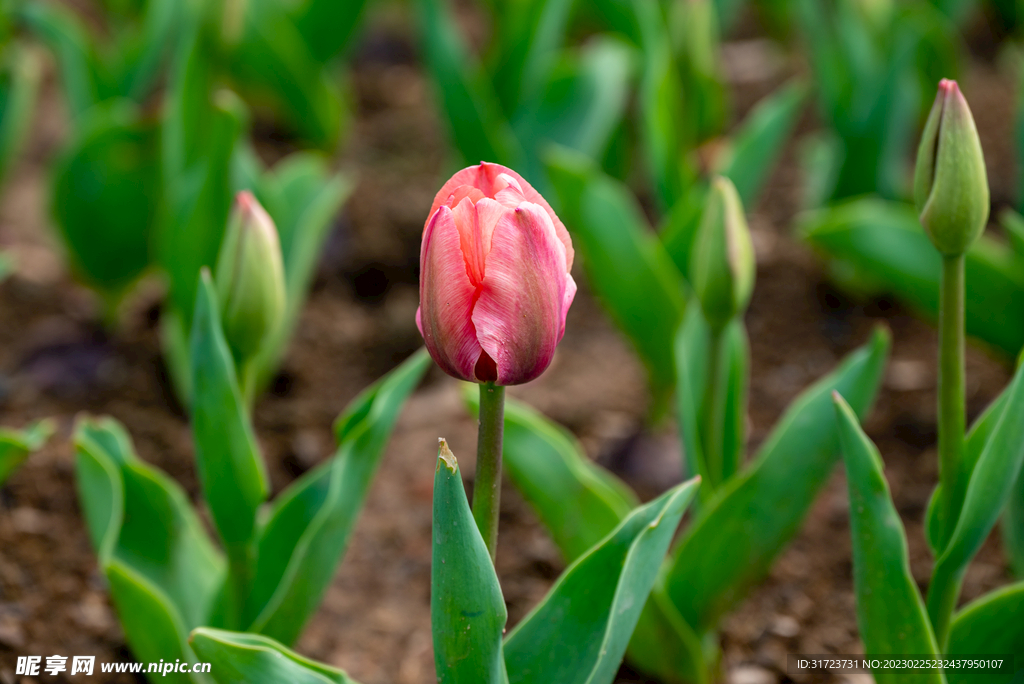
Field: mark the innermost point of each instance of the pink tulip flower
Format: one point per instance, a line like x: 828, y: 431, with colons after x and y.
x: 494, y: 278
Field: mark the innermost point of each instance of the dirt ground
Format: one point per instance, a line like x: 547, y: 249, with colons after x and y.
x: 55, y: 360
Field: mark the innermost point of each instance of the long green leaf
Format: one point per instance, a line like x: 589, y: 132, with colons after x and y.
x: 19, y: 88
x: 230, y: 467
x: 890, y: 611
x: 475, y: 121
x: 467, y: 611
x: 991, y: 625
x: 579, y: 632
x: 578, y: 501
x: 308, y: 526
x: 626, y: 264
x: 530, y: 53
x: 711, y: 571
x: 328, y: 26
x: 16, y: 445
x: 882, y: 246
x: 989, y: 489
x: 241, y: 658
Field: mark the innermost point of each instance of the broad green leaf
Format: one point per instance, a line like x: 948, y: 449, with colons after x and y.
x: 578, y: 501
x: 579, y: 632
x: 328, y: 26
x: 19, y: 88
x: 241, y: 658
x: 142, y: 519
x: 58, y: 27
x: 890, y: 611
x: 626, y: 264
x: 230, y: 467
x: 990, y: 486
x: 308, y: 526
x: 16, y: 445
x: 152, y: 627
x: 530, y: 52
x: 991, y: 625
x: 106, y: 190
x: 475, y: 122
x: 664, y: 646
x: 710, y: 571
x: 583, y: 102
x: 467, y: 611
x: 884, y: 247
x: 309, y: 199
x: 272, y: 64
x: 756, y: 145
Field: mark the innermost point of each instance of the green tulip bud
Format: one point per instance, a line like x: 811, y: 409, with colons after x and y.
x: 250, y: 278
x: 722, y: 263
x: 950, y: 184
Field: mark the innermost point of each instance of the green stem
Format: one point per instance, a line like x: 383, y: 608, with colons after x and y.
x: 942, y: 595
x: 487, y: 486
x: 238, y: 584
x: 952, y: 420
x: 714, y: 410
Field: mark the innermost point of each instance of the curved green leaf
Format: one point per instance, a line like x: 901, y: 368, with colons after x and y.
x: 241, y: 658
x: 990, y: 486
x: 710, y: 571
x: 467, y: 611
x: 991, y: 625
x: 579, y: 632
x: 881, y: 247
x: 626, y: 264
x: 890, y: 611
x: 16, y: 445
x: 231, y: 470
x: 106, y: 190
x: 328, y: 26
x: 664, y: 646
x: 531, y: 46
x: 578, y: 501
x: 308, y: 526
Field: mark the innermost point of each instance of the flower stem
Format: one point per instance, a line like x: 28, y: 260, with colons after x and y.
x: 487, y: 487
x: 714, y: 410
x: 951, y: 408
x: 239, y: 578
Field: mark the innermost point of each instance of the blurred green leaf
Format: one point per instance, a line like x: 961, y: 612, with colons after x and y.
x: 328, y: 26
x: 1012, y: 526
x: 664, y: 646
x: 890, y: 611
x: 308, y: 526
x: 19, y: 89
x: 230, y: 467
x: 626, y: 264
x: 691, y: 356
x: 16, y: 445
x: 989, y: 625
x: 7, y: 266
x: 106, y: 191
x: 679, y: 227
x: 886, y: 250
x: 273, y: 65
x: 530, y: 49
x: 56, y: 26
x: 710, y: 572
x: 736, y: 352
x: 990, y: 486
x: 241, y: 658
x: 477, y: 127
x: 147, y: 51
x: 578, y: 501
x: 467, y: 611
x: 756, y: 145
x: 579, y: 632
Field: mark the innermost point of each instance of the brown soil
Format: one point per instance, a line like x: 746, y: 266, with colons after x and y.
x: 374, y: 622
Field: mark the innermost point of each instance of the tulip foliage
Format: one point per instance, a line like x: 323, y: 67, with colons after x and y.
x: 274, y: 559
x: 141, y: 188
x: 16, y: 445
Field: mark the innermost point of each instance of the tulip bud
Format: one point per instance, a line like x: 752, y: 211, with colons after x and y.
x: 950, y: 184
x: 722, y: 262
x: 494, y: 278
x: 250, y: 277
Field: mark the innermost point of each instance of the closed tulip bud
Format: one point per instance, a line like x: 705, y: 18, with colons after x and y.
x: 723, y: 266
x: 494, y: 278
x: 250, y: 277
x: 950, y: 184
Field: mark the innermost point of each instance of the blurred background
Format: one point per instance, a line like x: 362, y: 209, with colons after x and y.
x: 126, y: 125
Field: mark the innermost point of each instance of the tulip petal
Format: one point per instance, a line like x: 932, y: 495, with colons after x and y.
x: 520, y: 314
x: 475, y: 223
x: 484, y: 176
x: 446, y: 298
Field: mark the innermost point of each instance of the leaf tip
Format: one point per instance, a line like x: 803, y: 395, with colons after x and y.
x: 445, y: 456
